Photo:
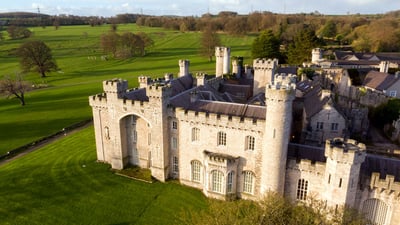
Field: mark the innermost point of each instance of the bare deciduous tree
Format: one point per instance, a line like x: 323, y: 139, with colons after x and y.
x: 16, y: 87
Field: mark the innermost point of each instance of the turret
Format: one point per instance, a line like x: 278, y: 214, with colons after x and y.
x: 144, y: 81
x: 344, y: 159
x: 237, y: 64
x: 222, y: 60
x: 316, y: 55
x: 184, y: 67
x: 264, y: 71
x: 115, y: 88
x: 279, y: 98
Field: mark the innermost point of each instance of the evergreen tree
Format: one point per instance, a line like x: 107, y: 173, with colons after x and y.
x: 266, y: 45
x: 299, y: 50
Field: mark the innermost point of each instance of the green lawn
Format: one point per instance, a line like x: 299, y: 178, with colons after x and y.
x: 65, y: 100
x: 63, y: 184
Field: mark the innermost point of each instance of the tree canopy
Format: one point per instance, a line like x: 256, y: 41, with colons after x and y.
x: 299, y: 50
x: 266, y: 45
x: 209, y: 40
x: 36, y: 56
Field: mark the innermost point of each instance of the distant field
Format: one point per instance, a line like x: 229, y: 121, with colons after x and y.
x: 63, y: 184
x: 65, y: 101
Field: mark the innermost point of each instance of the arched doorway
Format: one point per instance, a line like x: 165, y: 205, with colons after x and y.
x: 135, y: 140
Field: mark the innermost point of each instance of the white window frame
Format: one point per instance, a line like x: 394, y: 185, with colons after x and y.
x: 250, y: 142
x: 174, y: 143
x: 248, y: 182
x: 196, y: 171
x: 195, y: 134
x: 217, y: 178
x: 320, y: 125
x: 174, y: 125
x: 229, y: 182
x: 334, y: 126
x: 221, y: 138
x: 393, y: 93
x: 302, y: 189
x: 175, y: 165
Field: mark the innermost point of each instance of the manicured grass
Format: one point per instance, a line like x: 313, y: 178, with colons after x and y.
x: 63, y: 184
x: 65, y: 101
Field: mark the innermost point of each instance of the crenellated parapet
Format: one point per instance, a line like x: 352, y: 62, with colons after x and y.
x: 183, y: 67
x: 345, y: 151
x: 213, y: 119
x: 282, y: 89
x: 388, y: 184
x: 306, y: 166
x: 158, y: 91
x: 219, y: 51
x: 115, y: 86
x: 265, y: 64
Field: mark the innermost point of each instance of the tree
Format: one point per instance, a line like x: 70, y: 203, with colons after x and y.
x: 209, y: 40
x: 15, y: 87
x: 36, y: 56
x: 15, y: 32
x: 299, y: 50
x: 329, y: 29
x: 266, y: 45
x: 109, y: 42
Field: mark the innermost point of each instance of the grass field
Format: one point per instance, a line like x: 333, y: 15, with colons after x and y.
x: 63, y: 184
x: 65, y: 100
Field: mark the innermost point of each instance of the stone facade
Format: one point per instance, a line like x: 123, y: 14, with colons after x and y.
x: 185, y: 129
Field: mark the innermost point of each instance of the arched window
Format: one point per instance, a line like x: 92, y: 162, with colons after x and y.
x: 248, y: 182
x: 216, y: 181
x: 302, y: 187
x: 375, y: 211
x: 229, y: 182
x: 195, y: 134
x: 250, y: 141
x: 196, y: 169
x: 221, y: 138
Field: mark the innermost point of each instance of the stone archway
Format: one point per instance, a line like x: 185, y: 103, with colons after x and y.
x: 135, y: 140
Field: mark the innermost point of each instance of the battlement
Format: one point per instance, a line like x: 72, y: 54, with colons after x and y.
x: 388, y: 184
x: 347, y: 151
x: 158, y: 90
x: 215, y: 119
x: 306, y: 165
x: 265, y: 64
x: 283, y: 81
x: 220, y: 51
x: 115, y: 85
x: 144, y: 81
x: 183, y: 67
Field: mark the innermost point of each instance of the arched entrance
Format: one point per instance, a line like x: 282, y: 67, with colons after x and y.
x: 135, y: 140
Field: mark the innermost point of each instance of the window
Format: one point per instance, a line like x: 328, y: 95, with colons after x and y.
x: 334, y: 126
x: 392, y: 93
x: 149, y: 138
x: 248, y: 179
x: 340, y: 182
x: 196, y: 167
x: 216, y: 181
x: 229, y: 183
x: 320, y: 125
x: 221, y: 138
x: 250, y: 140
x: 174, y: 143
x: 174, y: 125
x: 302, y: 187
x: 376, y: 211
x: 329, y: 179
x: 195, y: 134
x: 134, y: 134
x: 175, y: 165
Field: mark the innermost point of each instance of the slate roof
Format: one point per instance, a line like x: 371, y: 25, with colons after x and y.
x: 380, y: 56
x: 379, y: 81
x: 137, y: 94
x: 383, y: 165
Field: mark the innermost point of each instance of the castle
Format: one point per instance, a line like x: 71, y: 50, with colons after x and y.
x: 232, y: 140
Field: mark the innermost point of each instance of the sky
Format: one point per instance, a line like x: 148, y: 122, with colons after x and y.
x: 109, y: 8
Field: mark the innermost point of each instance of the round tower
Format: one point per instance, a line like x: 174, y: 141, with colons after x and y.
x: 316, y: 55
x: 227, y: 61
x: 342, y: 171
x: 219, y: 61
x: 184, y: 67
x: 279, y: 98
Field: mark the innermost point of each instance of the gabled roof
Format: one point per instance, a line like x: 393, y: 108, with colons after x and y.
x: 379, y: 81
